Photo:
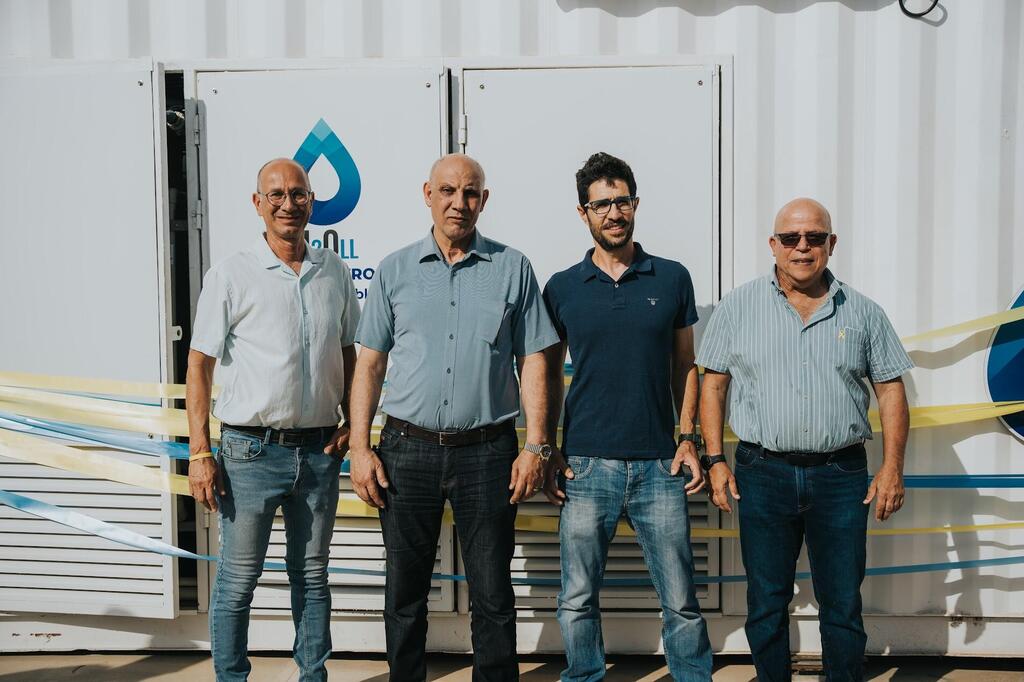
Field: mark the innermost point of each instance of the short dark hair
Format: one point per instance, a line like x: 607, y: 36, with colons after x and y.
x: 602, y: 166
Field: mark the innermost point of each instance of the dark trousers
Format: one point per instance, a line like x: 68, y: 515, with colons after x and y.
x: 782, y: 506
x: 474, y: 478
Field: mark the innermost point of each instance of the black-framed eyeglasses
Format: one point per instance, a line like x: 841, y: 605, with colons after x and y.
x: 300, y: 197
x: 625, y: 204
x: 791, y: 239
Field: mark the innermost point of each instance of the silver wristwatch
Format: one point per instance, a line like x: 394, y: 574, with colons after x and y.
x: 542, y: 450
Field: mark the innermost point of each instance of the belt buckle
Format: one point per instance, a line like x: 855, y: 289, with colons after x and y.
x: 442, y: 437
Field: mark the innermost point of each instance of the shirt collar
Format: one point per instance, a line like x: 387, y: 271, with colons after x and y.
x: 478, y: 246
x: 268, y: 259
x: 834, y: 285
x: 641, y: 263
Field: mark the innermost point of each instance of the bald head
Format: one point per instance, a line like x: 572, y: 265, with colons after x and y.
x: 802, y: 211
x: 460, y: 163
x: 279, y: 165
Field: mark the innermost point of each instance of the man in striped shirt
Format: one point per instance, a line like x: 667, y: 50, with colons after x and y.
x: 795, y: 347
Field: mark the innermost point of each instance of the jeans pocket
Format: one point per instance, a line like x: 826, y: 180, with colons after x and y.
x: 746, y: 457
x: 505, y: 444
x: 240, y: 448
x: 581, y: 466
x: 850, y: 465
x: 665, y: 466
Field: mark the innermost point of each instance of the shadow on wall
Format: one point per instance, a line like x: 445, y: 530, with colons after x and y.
x: 702, y: 8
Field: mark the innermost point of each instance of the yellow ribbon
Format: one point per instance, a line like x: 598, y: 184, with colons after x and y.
x: 977, y: 324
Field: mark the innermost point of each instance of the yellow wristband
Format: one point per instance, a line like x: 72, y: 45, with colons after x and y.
x: 200, y: 455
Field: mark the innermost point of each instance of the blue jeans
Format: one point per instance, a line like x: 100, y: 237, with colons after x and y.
x: 259, y: 478
x: 654, y: 503
x: 782, y: 505
x: 474, y: 478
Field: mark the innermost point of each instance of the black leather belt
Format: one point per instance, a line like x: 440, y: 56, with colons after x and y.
x: 809, y: 459
x: 289, y: 438
x: 451, y: 438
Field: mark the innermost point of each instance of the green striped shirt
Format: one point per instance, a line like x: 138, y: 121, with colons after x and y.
x: 799, y: 386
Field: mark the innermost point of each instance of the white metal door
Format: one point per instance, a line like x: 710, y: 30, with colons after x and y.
x: 82, y: 268
x: 531, y: 129
x: 380, y: 129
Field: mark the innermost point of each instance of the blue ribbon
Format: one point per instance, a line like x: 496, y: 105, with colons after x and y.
x: 123, y: 536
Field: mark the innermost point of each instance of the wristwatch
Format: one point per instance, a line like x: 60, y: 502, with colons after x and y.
x: 542, y: 450
x: 708, y: 461
x: 695, y: 438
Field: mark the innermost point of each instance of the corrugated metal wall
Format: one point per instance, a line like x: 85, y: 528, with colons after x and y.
x: 908, y: 130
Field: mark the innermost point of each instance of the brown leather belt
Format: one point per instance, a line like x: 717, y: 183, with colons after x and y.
x: 451, y: 438
x: 809, y: 459
x: 289, y: 438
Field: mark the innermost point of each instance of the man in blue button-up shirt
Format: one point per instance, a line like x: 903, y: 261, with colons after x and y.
x: 793, y: 350
x: 451, y: 312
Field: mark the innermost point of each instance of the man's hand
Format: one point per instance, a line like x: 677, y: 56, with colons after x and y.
x: 205, y: 482
x: 527, y: 477
x: 723, y: 483
x: 367, y: 476
x: 556, y: 465
x: 686, y: 454
x: 887, y: 486
x: 339, y: 442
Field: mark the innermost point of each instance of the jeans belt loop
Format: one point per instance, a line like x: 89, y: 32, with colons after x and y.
x: 266, y: 436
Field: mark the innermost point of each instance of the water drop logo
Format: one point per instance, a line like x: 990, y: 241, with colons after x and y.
x: 1006, y: 367
x: 322, y: 141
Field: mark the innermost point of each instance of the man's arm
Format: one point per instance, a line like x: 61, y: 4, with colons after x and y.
x: 204, y: 480
x: 339, y: 441
x: 528, y: 469
x: 685, y: 391
x: 712, y: 425
x: 367, y: 474
x: 887, y: 484
x: 555, y: 364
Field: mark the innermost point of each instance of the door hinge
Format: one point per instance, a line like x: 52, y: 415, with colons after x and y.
x: 463, y: 129
x: 198, y: 215
x: 196, y: 127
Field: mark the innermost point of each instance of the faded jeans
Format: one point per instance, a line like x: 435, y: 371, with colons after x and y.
x: 654, y: 503
x: 259, y: 478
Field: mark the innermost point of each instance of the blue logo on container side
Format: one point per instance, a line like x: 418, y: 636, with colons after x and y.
x: 1006, y: 367
x: 322, y: 141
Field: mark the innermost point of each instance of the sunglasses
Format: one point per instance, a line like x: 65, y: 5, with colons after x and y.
x: 791, y: 239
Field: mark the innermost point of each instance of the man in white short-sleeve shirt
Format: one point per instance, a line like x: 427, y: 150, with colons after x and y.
x: 279, y: 317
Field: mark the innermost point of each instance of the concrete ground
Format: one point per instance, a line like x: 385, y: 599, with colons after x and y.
x: 190, y: 667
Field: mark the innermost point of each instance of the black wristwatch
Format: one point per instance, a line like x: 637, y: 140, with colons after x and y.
x: 695, y: 438
x: 708, y: 461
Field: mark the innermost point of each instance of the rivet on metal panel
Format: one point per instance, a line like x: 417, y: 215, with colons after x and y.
x: 700, y: 82
x: 428, y: 85
x: 481, y: 86
x: 140, y: 83
x: 215, y: 91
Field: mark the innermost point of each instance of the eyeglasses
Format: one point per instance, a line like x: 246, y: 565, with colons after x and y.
x: 300, y: 197
x: 791, y: 239
x: 625, y: 204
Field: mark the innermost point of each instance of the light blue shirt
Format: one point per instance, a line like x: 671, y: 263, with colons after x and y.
x: 278, y: 336
x: 795, y: 386
x: 452, y: 332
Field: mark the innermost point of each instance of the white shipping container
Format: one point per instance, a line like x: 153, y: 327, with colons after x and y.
x: 906, y: 129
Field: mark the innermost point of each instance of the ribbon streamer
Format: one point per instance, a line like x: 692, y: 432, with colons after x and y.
x: 129, y: 538
x: 977, y: 324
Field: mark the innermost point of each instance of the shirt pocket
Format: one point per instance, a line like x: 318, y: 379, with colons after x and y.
x: 493, y: 321
x: 851, y: 350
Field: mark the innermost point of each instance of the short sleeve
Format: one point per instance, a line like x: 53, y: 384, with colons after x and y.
x: 213, y: 315
x: 376, y: 327
x: 532, y: 330
x: 886, y: 357
x: 686, y: 311
x: 715, y: 350
x: 551, y: 304
x: 350, y: 308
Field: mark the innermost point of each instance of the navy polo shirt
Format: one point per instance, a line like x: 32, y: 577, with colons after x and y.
x: 620, y: 336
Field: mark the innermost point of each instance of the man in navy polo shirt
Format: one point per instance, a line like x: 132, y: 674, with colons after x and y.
x: 626, y: 318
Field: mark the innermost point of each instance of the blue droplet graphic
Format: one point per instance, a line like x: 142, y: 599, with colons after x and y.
x: 322, y: 141
x: 1006, y: 367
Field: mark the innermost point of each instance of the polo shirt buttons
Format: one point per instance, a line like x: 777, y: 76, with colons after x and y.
x: 451, y: 336
x: 453, y: 303
x: 446, y: 402
x: 448, y: 371
x: 616, y: 285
